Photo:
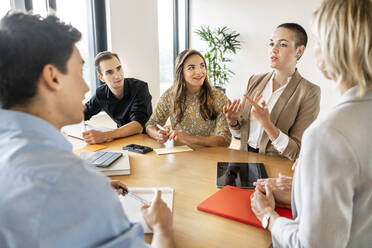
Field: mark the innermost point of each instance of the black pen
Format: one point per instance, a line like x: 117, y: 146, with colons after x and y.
x: 134, y: 196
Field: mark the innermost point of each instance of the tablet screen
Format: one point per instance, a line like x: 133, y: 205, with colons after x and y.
x: 239, y: 174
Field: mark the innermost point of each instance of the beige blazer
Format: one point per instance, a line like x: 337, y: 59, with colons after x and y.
x: 296, y: 108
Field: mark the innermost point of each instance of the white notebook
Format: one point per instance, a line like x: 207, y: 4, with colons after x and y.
x: 132, y: 207
x: 174, y: 149
x: 77, y: 130
x: 119, y: 167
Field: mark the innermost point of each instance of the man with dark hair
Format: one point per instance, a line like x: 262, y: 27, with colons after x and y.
x: 127, y: 101
x: 49, y: 196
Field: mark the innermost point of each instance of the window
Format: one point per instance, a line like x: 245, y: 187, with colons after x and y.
x: 39, y: 7
x: 165, y: 29
x: 173, y: 37
x: 4, y: 7
x: 76, y: 13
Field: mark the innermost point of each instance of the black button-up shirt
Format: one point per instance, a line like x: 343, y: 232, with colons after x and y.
x: 134, y: 106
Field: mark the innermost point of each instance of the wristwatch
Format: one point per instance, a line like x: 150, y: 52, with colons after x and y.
x: 266, y: 218
x: 235, y: 125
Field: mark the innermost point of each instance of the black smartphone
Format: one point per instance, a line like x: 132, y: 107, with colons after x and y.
x: 241, y: 175
x: 137, y: 148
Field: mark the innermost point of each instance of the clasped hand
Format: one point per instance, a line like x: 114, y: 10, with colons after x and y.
x: 281, y: 188
x: 176, y: 135
x: 262, y: 201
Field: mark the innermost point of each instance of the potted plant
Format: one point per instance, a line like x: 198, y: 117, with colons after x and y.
x: 221, y: 42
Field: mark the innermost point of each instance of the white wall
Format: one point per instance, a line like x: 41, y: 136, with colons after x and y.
x: 255, y: 21
x: 133, y: 34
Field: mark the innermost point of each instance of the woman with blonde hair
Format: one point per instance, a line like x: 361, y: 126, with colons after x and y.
x: 331, y: 197
x: 193, y: 106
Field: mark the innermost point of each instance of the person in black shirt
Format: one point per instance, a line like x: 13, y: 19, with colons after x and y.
x: 127, y: 101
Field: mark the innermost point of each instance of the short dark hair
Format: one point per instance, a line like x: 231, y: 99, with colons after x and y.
x: 104, y: 56
x: 27, y: 44
x: 300, y: 35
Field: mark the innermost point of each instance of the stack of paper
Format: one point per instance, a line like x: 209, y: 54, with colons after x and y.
x: 119, y: 167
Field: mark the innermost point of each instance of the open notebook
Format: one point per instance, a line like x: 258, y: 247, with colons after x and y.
x: 77, y: 130
x: 132, y: 207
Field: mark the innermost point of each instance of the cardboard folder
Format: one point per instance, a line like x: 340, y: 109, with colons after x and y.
x: 235, y: 203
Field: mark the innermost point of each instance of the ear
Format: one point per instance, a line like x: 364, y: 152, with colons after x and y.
x: 300, y: 51
x: 100, y: 77
x: 50, y: 77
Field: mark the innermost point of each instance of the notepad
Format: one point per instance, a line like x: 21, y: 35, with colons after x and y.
x: 117, y: 168
x: 76, y: 130
x: 235, y: 203
x: 132, y: 207
x: 174, y: 149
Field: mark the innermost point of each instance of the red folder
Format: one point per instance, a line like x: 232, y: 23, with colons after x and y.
x: 235, y: 203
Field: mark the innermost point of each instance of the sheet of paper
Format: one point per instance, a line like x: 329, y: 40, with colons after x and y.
x: 132, y: 207
x: 89, y: 148
x: 175, y: 149
x: 77, y: 130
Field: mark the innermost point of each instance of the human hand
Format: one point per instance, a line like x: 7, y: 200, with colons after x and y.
x: 282, y: 182
x: 162, y: 136
x: 95, y: 137
x: 158, y: 216
x: 232, y: 110
x: 118, y: 186
x: 262, y: 203
x: 261, y: 114
x: 179, y: 136
x: 281, y: 188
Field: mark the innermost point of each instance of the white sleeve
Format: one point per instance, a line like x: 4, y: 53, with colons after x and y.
x: 281, y: 142
x: 323, y: 193
x: 235, y: 133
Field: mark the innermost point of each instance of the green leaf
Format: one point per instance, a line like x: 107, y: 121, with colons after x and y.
x: 221, y: 41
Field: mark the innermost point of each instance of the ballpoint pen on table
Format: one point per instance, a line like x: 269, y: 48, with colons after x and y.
x: 134, y: 196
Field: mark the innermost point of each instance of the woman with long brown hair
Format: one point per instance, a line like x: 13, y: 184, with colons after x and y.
x: 193, y: 106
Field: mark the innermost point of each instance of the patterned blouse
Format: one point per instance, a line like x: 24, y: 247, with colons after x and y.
x: 193, y: 122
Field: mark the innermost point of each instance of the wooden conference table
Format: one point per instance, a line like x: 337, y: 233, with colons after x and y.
x: 193, y: 177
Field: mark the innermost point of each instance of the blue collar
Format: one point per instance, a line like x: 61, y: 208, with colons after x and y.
x: 20, y: 122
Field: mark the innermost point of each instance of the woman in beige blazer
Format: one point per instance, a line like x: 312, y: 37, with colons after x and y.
x: 279, y: 105
x: 331, y: 196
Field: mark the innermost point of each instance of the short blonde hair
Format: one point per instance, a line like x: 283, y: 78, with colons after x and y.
x: 344, y: 30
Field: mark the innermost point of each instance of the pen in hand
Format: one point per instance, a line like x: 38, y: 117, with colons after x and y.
x: 134, y: 196
x: 85, y: 126
x: 161, y: 128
